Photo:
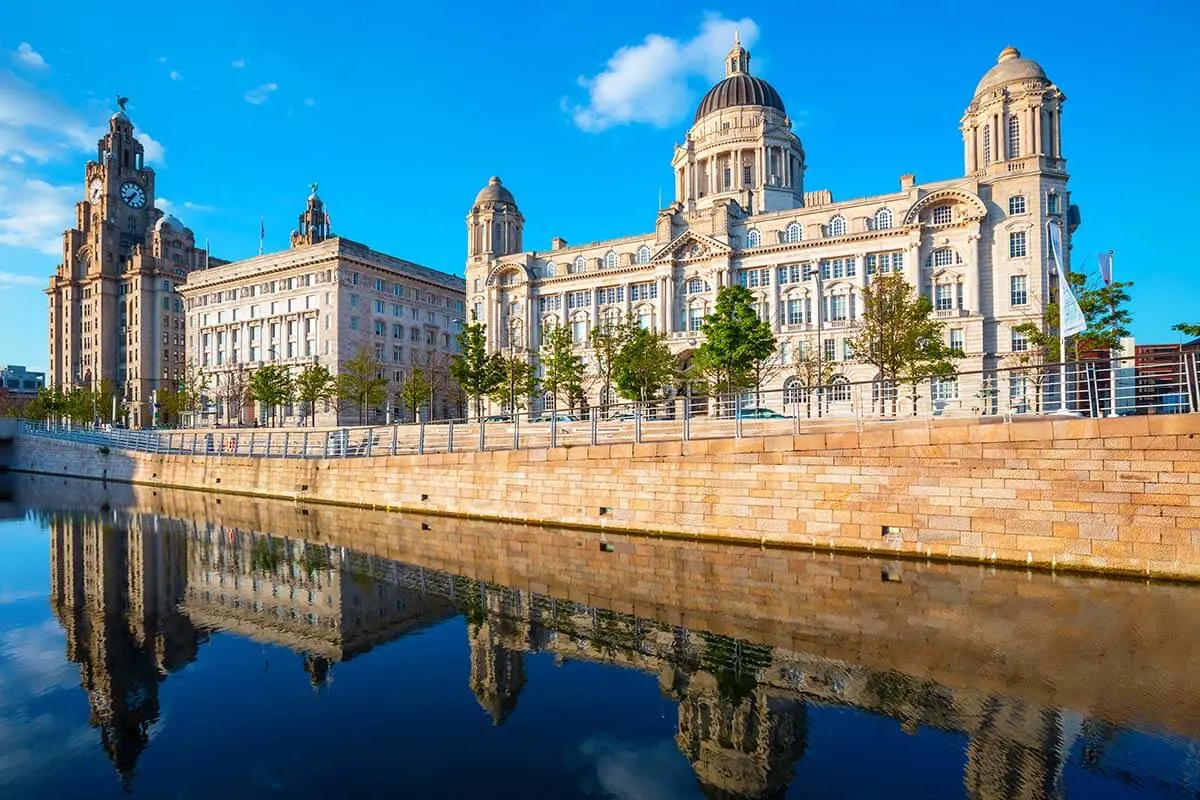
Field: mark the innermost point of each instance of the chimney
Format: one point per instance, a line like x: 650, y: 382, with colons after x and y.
x: 558, y: 243
x: 907, y: 181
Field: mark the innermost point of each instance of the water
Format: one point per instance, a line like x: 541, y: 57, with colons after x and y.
x: 185, y: 645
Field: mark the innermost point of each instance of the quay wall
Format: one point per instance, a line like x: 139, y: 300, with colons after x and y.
x: 1119, y: 496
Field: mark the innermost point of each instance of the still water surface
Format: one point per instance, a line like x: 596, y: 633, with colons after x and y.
x: 182, y: 645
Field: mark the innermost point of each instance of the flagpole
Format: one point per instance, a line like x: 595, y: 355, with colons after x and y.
x: 262, y: 233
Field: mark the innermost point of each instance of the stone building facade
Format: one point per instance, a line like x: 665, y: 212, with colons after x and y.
x: 976, y: 245
x: 116, y: 317
x: 321, y: 301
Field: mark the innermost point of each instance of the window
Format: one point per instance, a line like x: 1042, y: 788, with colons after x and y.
x: 883, y: 219
x: 610, y: 260
x: 397, y: 331
x: 695, y: 318
x: 943, y: 389
x: 794, y: 392
x: 546, y: 304
x: 837, y: 226
x: 607, y: 295
x: 943, y: 296
x: 354, y: 323
x: 578, y: 330
x: 987, y: 145
x: 837, y: 307
x: 943, y: 215
x: 753, y: 239
x: 549, y: 269
x: 580, y: 299
x: 830, y: 348
x: 695, y: 286
x: 1016, y: 245
x: 1014, y: 137
x: 1016, y: 204
x: 643, y: 255
x: 753, y: 278
x: 1019, y: 341
x: 1018, y: 290
x: 839, y: 268
x: 747, y: 175
x: 379, y: 284
x: 793, y: 233
x: 379, y: 307
x: 380, y: 328
x: 397, y: 353
x: 353, y: 303
x: 943, y: 257
x: 578, y: 265
x: 839, y: 390
x: 645, y: 319
x: 794, y: 314
x: 956, y: 339
x: 789, y: 273
x: 643, y: 291
x: 1052, y: 203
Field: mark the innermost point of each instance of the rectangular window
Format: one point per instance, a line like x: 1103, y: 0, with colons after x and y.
x: 354, y: 323
x: 1018, y: 290
x: 1016, y: 204
x: 1020, y: 341
x: 956, y: 338
x: 943, y: 297
x: 943, y: 215
x: 379, y: 307
x: 581, y: 299
x: 753, y: 278
x: 643, y: 291
x: 578, y: 331
x: 397, y: 331
x: 789, y: 273
x: 943, y: 389
x: 747, y: 175
x: 553, y: 303
x: 1016, y: 245
x: 1051, y: 204
x: 869, y: 264
x: 794, y: 316
x: 379, y: 284
x: 830, y: 348
x: 607, y: 295
x: 838, y: 307
x: 695, y: 318
x: 847, y: 350
x: 397, y: 353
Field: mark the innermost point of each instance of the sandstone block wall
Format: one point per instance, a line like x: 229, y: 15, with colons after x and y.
x: 1113, y: 495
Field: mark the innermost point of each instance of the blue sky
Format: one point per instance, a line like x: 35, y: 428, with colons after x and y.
x: 403, y: 110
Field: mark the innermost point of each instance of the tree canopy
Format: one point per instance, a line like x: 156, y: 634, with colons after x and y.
x: 271, y: 386
x: 518, y: 382
x: 562, y: 370
x: 644, y: 365
x: 361, y: 381
x: 477, y: 372
x: 735, y: 339
x: 314, y: 384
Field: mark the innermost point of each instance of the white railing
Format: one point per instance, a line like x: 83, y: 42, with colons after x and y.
x: 1119, y: 387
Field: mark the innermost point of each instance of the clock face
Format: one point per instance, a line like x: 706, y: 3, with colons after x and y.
x: 95, y: 190
x: 133, y: 195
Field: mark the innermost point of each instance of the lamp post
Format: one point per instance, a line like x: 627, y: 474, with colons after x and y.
x: 820, y: 344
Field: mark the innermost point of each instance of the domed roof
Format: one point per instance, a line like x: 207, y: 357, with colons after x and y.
x: 1010, y: 66
x: 169, y: 222
x: 495, y: 192
x: 739, y: 89
x: 120, y: 115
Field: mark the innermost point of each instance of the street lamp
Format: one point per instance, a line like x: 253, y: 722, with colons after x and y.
x: 809, y: 273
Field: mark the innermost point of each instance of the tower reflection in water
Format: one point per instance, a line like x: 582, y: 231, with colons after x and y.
x: 138, y: 595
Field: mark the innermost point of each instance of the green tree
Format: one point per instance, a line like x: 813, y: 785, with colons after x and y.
x: 271, y: 386
x: 1187, y: 329
x: 608, y: 340
x: 735, y: 339
x: 644, y: 366
x: 1104, y: 312
x: 314, y: 384
x: 563, y: 370
x: 476, y: 371
x: 50, y: 403
x: 414, y: 391
x: 898, y: 336
x: 518, y: 382
x: 361, y: 382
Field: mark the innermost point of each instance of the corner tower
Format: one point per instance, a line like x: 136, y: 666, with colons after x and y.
x: 314, y: 222
x: 741, y: 146
x: 494, y: 224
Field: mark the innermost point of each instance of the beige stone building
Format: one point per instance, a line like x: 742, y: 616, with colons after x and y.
x: 320, y: 302
x: 116, y: 318
x: 742, y: 214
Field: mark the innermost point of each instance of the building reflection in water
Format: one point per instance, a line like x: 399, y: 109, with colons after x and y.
x: 138, y: 595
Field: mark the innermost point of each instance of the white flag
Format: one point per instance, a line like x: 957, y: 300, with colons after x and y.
x: 1106, y: 261
x: 1070, y: 315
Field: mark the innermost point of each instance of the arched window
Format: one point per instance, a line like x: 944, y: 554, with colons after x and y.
x: 578, y: 265
x: 794, y: 392
x: 883, y: 219
x: 549, y: 270
x: 1014, y: 137
x: 837, y: 226
x: 643, y: 255
x: 839, y: 389
x: 792, y: 233
x: 610, y: 260
x: 753, y: 239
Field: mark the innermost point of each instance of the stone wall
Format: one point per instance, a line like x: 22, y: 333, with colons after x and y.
x: 1112, y: 495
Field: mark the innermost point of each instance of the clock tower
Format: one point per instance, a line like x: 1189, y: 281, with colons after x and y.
x: 116, y: 322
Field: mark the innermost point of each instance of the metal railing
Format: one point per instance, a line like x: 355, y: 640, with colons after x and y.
x: 1101, y: 388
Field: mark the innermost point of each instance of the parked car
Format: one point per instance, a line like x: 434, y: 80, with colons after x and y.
x: 499, y: 418
x: 761, y: 413
x: 624, y: 416
x: 560, y: 418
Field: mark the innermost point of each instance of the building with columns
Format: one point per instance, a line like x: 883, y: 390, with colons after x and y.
x: 322, y: 301
x: 116, y: 318
x: 976, y: 245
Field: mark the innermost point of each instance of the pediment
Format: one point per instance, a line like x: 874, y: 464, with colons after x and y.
x: 691, y: 246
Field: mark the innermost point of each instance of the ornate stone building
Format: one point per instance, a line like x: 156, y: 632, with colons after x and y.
x: 321, y: 302
x: 116, y: 318
x: 976, y: 245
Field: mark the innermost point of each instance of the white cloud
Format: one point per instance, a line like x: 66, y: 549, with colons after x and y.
x: 33, y: 215
x: 175, y: 76
x: 164, y: 205
x: 154, y: 151
x: 189, y: 205
x: 29, y: 57
x: 629, y: 771
x: 8, y: 279
x: 35, y: 125
x: 310, y: 101
x: 651, y: 82
x: 259, y: 95
x: 238, y: 63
